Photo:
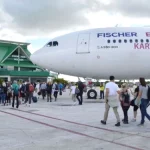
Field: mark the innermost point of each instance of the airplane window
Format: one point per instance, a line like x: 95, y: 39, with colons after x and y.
x: 147, y: 40
x: 119, y: 41
x: 114, y: 41
x: 130, y: 40
x: 108, y: 41
x: 55, y: 43
x: 136, y: 41
x: 142, y: 40
x: 49, y: 44
x: 125, y: 41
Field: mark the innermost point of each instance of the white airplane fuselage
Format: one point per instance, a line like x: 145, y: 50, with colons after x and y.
x: 99, y: 53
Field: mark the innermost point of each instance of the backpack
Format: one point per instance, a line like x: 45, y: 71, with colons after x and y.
x: 126, y: 97
x: 23, y: 88
x: 148, y: 93
x: 77, y: 91
x: 56, y: 87
x: 16, y: 90
x: 85, y: 89
x: 31, y: 88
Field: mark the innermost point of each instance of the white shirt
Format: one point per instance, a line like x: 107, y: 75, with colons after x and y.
x: 73, y: 89
x: 113, y: 88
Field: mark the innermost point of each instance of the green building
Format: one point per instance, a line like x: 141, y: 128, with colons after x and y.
x: 15, y: 63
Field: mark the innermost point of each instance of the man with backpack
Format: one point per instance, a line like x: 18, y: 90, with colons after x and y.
x: 29, y: 92
x: 15, y: 88
x: 80, y: 86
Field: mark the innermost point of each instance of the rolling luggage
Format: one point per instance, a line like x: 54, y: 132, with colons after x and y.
x: 34, y: 98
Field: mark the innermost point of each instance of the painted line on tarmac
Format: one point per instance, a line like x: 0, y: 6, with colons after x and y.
x: 71, y: 131
x: 81, y: 124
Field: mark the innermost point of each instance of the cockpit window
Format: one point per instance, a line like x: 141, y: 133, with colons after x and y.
x: 52, y: 43
x: 55, y: 43
x: 49, y: 44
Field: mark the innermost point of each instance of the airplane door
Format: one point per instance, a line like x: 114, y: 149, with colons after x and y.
x: 83, y: 43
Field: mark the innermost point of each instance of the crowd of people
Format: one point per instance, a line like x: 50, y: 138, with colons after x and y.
x: 140, y: 101
x: 25, y: 92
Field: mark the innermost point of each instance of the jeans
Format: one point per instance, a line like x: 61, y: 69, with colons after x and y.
x: 101, y: 94
x: 81, y: 97
x: 125, y: 111
x: 144, y: 103
x: 2, y: 98
x: 49, y: 97
x: 13, y: 103
x: 55, y: 95
x: 29, y: 96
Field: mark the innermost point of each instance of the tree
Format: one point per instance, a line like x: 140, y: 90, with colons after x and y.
x: 1, y: 81
x: 60, y: 80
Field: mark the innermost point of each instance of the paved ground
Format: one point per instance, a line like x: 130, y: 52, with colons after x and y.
x: 62, y: 126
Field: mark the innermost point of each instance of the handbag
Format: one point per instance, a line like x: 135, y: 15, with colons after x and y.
x: 77, y: 91
x: 137, y: 102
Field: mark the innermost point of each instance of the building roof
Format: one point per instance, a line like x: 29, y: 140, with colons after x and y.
x: 14, y: 42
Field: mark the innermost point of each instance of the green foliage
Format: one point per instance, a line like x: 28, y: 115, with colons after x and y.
x: 60, y: 80
x: 1, y: 81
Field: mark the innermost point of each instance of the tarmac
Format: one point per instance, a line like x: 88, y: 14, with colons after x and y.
x: 61, y: 125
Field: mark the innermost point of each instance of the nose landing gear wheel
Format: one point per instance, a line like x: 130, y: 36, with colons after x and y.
x: 91, y: 94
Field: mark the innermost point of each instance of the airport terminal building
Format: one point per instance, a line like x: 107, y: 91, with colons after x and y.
x: 15, y: 63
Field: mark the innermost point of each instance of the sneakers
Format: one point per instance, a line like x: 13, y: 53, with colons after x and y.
x: 103, y: 122
x: 117, y: 124
x: 133, y: 120
x: 141, y: 124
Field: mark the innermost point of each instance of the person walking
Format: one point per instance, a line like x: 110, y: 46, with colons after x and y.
x: 135, y: 107
x: 15, y: 88
x: 111, y: 100
x: 49, y: 92
x: 80, y: 86
x: 29, y: 93
x: 142, y: 101
x: 124, y: 98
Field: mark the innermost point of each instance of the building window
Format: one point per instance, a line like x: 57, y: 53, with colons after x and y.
x: 142, y: 40
x: 147, y: 40
x: 131, y: 41
x: 125, y: 41
x: 108, y: 41
x: 119, y: 41
x: 136, y: 41
x: 114, y: 41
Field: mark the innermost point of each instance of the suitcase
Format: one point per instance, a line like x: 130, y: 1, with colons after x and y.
x: 34, y: 98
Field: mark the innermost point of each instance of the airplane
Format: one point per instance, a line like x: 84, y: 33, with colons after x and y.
x: 123, y: 52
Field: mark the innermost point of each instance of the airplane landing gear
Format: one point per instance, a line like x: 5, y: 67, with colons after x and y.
x: 92, y: 94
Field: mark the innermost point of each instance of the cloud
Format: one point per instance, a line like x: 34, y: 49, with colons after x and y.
x: 46, y: 17
x: 129, y: 8
x: 37, y: 16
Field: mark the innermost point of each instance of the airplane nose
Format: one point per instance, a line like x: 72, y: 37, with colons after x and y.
x: 34, y: 58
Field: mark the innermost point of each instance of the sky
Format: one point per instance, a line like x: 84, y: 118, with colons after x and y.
x: 38, y: 21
